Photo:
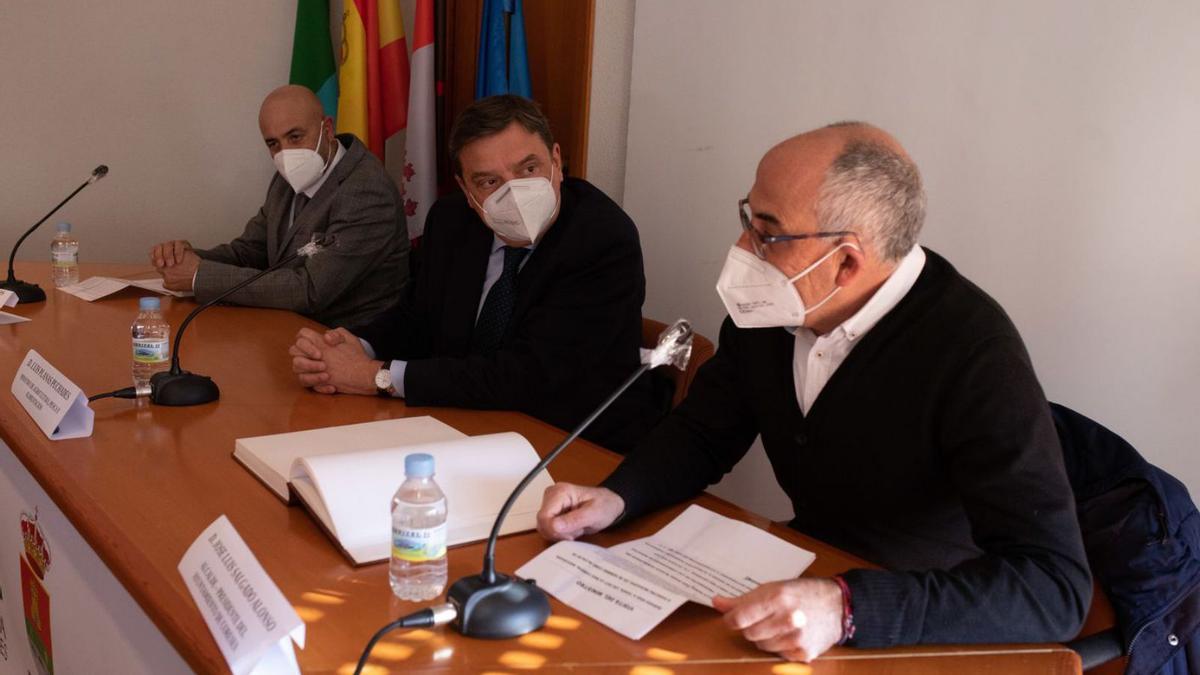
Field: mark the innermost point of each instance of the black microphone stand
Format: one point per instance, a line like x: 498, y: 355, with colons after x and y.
x: 178, y: 387
x: 496, y: 606
x: 27, y: 292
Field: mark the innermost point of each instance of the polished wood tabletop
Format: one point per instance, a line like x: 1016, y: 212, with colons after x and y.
x: 151, y: 478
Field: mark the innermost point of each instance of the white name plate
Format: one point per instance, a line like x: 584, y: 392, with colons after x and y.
x: 56, y: 405
x: 253, y: 623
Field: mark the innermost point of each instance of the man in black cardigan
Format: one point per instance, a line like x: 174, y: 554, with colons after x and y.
x: 527, y: 293
x: 899, y: 410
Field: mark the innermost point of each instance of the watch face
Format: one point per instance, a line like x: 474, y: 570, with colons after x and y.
x: 383, y: 379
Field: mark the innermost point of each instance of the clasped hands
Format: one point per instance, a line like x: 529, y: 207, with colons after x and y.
x: 333, y: 362
x: 798, y: 619
x: 176, y: 263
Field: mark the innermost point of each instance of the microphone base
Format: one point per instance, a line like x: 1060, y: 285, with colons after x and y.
x: 505, y: 609
x: 182, y: 389
x: 26, y: 292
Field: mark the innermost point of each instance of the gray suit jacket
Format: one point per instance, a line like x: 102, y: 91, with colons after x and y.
x: 346, y: 285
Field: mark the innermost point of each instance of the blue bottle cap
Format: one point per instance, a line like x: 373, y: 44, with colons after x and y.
x: 150, y: 303
x: 64, y: 227
x: 418, y: 465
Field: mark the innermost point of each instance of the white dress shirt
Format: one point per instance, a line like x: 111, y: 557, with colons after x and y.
x: 816, y: 358
x: 312, y: 189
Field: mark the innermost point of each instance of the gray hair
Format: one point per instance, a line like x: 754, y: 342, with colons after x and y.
x: 875, y: 191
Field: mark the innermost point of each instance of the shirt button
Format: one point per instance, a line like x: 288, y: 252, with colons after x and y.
x: 1173, y: 640
x: 801, y: 439
x: 820, y: 355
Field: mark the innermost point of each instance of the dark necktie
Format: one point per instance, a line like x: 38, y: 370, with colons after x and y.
x: 498, y: 307
x: 301, y: 200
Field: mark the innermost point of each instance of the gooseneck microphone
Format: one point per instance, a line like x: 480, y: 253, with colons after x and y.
x: 492, y: 605
x: 27, y: 292
x: 178, y: 387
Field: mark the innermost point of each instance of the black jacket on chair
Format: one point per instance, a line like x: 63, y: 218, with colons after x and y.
x: 1141, y: 532
x: 575, y: 331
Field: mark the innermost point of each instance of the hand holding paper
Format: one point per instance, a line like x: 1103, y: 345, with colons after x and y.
x: 798, y: 619
x: 632, y: 587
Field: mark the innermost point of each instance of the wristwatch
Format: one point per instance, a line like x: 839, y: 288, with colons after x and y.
x: 383, y: 381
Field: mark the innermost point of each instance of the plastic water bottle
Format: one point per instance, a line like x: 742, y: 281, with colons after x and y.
x: 64, y: 257
x: 418, y: 567
x: 151, y: 342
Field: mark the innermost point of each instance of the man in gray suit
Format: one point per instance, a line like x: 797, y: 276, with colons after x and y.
x: 323, y: 184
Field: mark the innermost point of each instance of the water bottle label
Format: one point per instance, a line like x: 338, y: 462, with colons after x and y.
x: 151, y: 351
x: 419, y: 545
x: 65, y: 258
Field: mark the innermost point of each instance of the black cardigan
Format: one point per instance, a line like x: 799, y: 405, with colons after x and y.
x: 930, y: 451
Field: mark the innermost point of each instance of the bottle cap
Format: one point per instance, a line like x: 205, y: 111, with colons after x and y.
x: 145, y: 304
x: 64, y: 227
x: 418, y: 465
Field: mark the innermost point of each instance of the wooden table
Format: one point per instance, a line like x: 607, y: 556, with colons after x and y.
x: 149, y: 479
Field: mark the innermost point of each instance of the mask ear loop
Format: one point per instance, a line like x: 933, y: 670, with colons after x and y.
x: 332, y: 153
x: 836, y: 288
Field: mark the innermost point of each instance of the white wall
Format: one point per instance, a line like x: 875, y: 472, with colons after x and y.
x: 166, y: 93
x: 1059, y: 144
x: 608, y: 117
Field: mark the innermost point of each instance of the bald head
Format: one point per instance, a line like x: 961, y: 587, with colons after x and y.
x: 849, y: 176
x: 292, y: 117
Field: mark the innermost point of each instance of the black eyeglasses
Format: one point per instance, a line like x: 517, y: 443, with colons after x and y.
x: 760, y: 241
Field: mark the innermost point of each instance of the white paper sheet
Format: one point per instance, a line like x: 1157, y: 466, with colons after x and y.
x: 633, y: 586
x: 251, y: 621
x: 9, y: 299
x: 94, y: 288
x: 7, y: 318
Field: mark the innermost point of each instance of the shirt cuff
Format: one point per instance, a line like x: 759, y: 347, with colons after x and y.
x: 398, y: 368
x: 367, y: 348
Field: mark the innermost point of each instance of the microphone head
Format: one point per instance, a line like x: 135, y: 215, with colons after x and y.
x: 319, y: 242
x: 98, y: 173
x: 674, y: 346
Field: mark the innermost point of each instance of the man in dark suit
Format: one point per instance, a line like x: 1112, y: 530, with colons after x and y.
x: 324, y: 184
x: 527, y: 295
x: 899, y: 410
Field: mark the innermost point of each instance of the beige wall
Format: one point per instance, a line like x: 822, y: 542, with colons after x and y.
x: 1058, y: 142
x: 166, y: 93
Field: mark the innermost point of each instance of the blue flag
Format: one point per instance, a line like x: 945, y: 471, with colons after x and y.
x: 503, y: 66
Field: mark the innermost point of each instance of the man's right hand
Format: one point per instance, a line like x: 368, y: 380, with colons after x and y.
x: 333, y: 362
x: 569, y: 511
x: 169, y: 253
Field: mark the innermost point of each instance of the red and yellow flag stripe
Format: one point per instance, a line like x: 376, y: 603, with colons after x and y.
x: 373, y: 78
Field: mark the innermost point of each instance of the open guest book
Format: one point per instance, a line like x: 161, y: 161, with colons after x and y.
x: 346, y: 476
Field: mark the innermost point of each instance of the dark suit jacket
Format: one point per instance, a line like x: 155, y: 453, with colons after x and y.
x: 348, y: 284
x: 575, y: 331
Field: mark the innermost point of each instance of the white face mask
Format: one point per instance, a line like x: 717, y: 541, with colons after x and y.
x: 520, y: 209
x: 757, y: 295
x: 301, y: 167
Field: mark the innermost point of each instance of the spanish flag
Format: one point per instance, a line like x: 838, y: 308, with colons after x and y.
x: 373, y: 78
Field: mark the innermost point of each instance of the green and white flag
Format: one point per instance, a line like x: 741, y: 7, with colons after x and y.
x: 312, y: 53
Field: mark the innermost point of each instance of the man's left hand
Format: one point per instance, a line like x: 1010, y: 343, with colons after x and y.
x: 797, y: 619
x: 178, y: 277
